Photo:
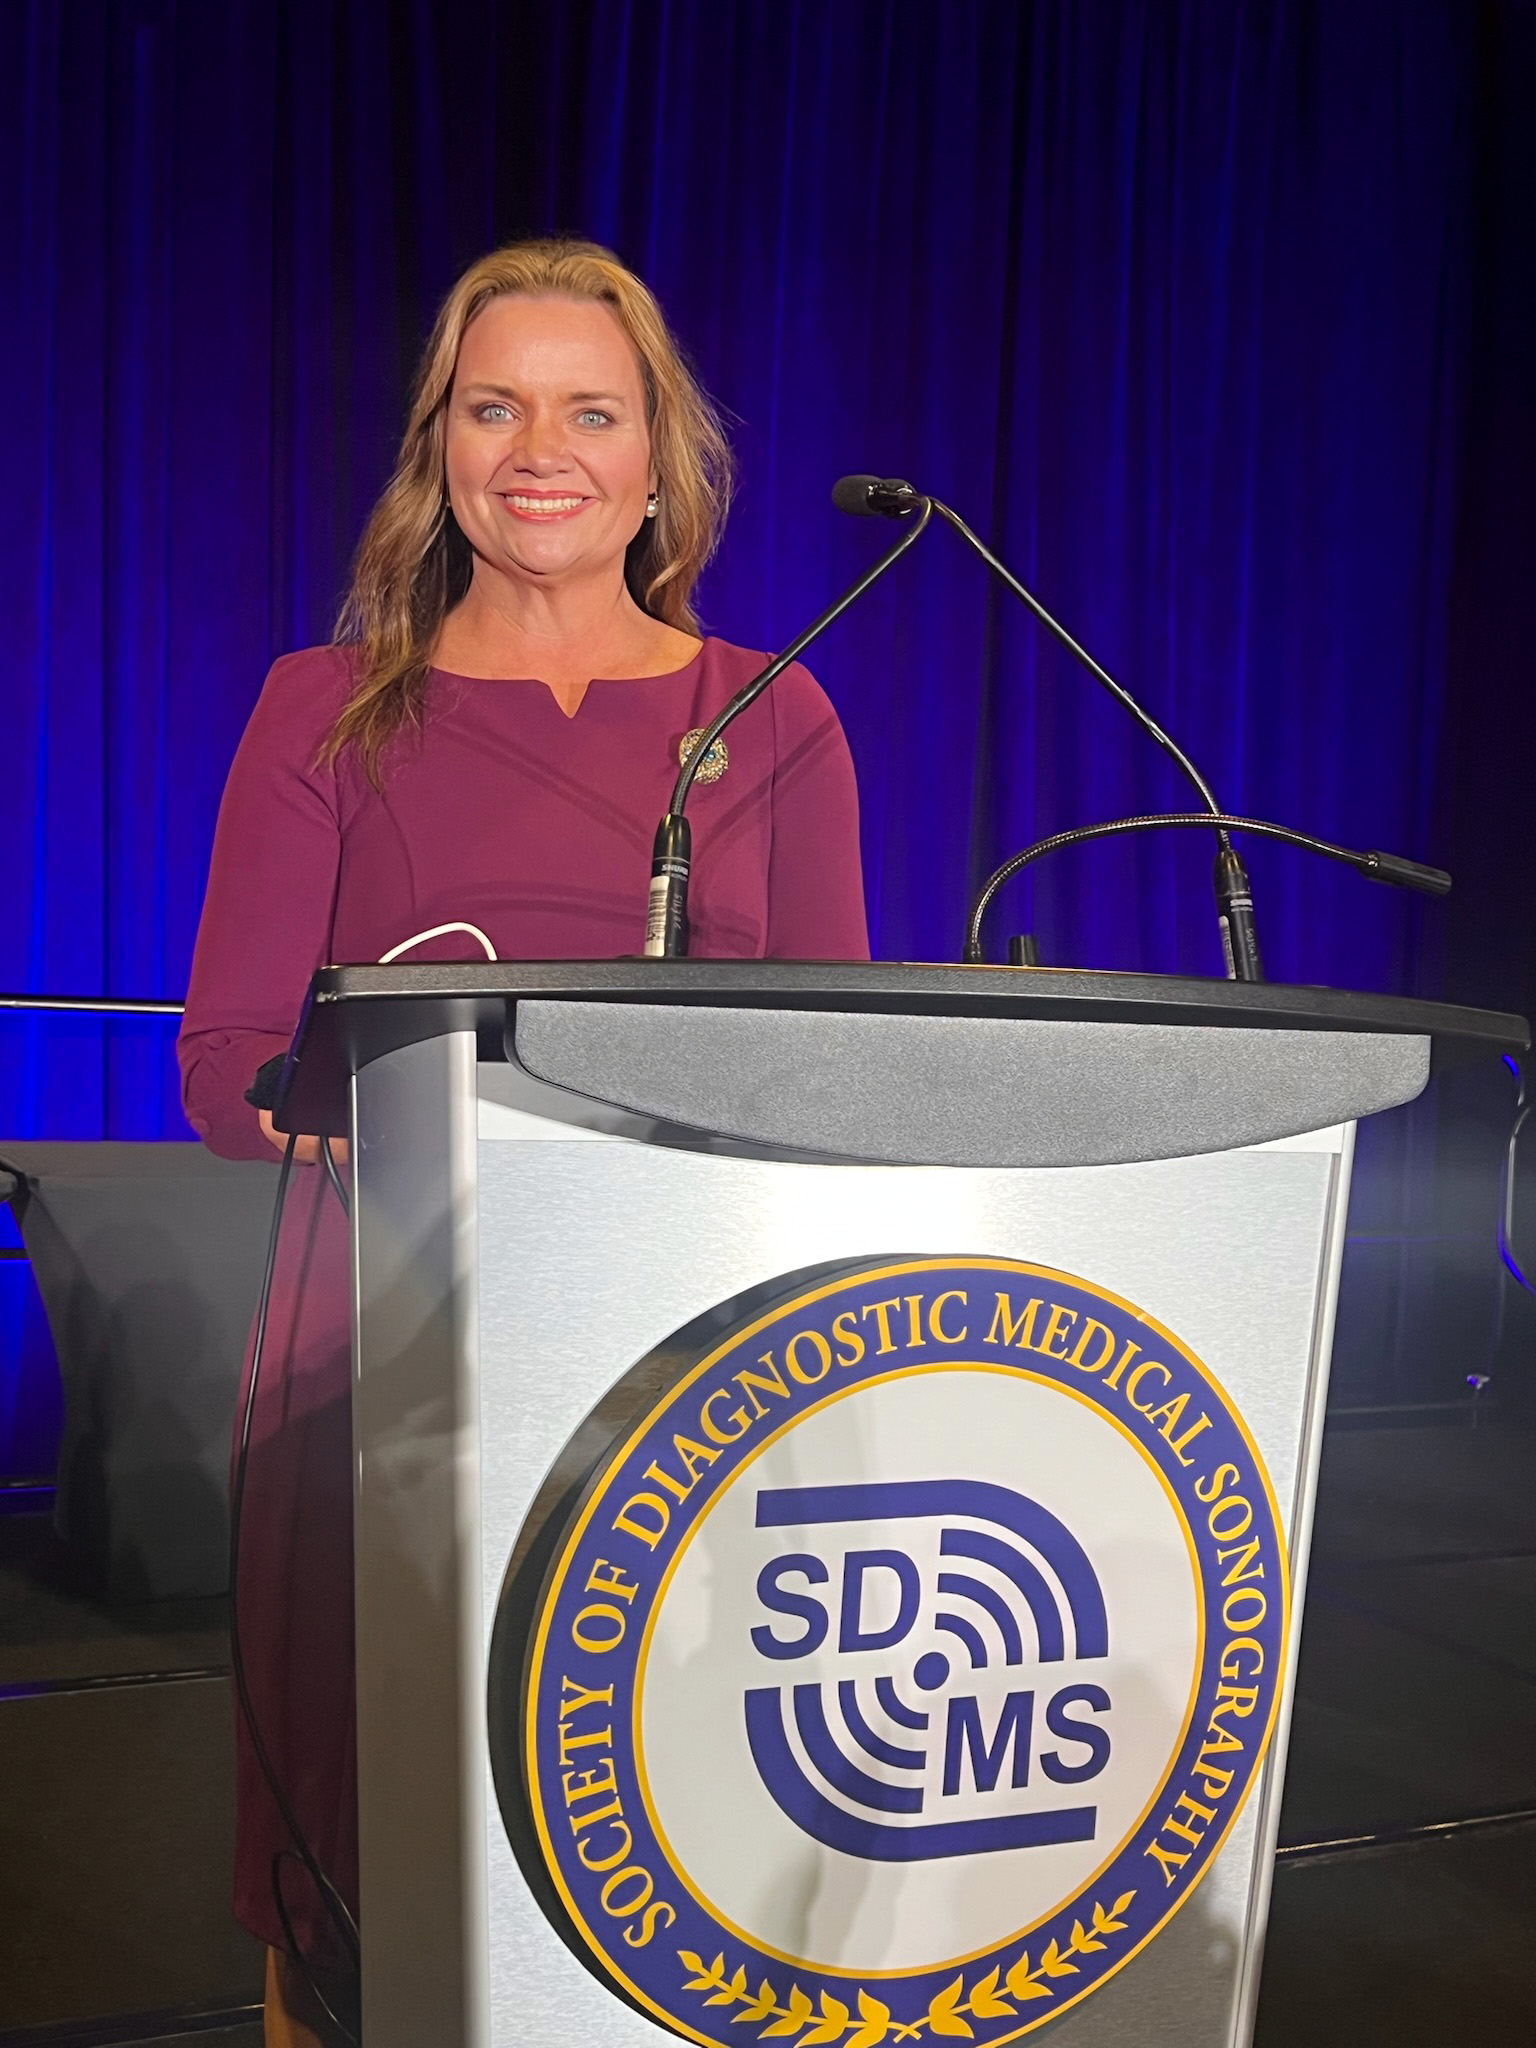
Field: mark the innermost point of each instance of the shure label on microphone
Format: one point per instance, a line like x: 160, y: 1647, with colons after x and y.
x: 656, y: 914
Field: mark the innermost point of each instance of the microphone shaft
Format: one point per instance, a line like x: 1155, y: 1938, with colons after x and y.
x: 749, y: 693
x: 666, y: 925
x: 1121, y: 695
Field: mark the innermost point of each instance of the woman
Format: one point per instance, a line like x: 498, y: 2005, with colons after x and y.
x: 487, y: 744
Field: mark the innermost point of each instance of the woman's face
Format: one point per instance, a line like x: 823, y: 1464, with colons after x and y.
x: 548, y: 449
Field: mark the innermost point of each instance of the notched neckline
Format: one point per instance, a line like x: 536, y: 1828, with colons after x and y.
x: 665, y: 676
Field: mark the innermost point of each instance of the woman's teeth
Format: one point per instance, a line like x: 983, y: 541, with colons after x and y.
x: 521, y: 504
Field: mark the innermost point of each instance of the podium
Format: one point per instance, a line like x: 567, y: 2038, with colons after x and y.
x: 835, y: 1451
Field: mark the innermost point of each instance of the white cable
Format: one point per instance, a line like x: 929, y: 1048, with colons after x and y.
x: 437, y: 932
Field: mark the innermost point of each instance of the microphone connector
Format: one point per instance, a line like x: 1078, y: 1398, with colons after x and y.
x: 1239, y: 933
x: 666, y: 917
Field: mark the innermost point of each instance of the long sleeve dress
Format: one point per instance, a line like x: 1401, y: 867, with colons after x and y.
x: 502, y: 812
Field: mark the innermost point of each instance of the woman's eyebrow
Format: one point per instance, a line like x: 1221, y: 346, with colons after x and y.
x: 484, y: 389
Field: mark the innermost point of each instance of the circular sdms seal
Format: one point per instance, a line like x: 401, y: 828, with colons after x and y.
x: 904, y: 1665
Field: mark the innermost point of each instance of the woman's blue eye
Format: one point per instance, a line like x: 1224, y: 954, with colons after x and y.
x: 484, y: 412
x: 604, y: 419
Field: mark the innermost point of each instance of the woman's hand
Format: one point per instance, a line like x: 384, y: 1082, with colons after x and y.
x: 307, y: 1151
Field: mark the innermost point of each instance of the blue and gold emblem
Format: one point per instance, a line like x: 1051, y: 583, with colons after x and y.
x: 897, y: 1671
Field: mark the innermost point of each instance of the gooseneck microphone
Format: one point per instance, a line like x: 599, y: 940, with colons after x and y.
x: 891, y: 498
x: 666, y: 934
x: 1377, y: 867
x: 666, y: 923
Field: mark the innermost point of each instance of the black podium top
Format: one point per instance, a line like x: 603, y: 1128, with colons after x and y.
x: 356, y: 1014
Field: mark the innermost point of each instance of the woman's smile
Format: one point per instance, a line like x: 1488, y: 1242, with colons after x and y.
x: 543, y: 505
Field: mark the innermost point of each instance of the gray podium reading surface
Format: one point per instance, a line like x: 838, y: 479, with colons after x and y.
x: 557, y: 1168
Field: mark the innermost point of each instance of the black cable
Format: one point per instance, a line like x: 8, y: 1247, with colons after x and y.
x: 335, y: 1906
x: 1378, y: 867
x: 1507, y: 1196
x: 290, y: 1936
x: 333, y: 1176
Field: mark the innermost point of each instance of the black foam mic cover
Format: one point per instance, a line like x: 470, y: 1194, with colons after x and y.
x: 851, y: 494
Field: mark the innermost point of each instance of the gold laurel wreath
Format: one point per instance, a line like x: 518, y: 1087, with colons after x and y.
x: 987, y: 1998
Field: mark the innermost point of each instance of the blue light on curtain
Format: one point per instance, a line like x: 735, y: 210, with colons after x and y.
x: 1187, y: 304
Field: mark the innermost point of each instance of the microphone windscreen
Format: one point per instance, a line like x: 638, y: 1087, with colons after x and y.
x: 851, y: 494
x: 1408, y: 874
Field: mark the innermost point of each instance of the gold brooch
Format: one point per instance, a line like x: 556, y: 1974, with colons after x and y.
x: 714, y: 763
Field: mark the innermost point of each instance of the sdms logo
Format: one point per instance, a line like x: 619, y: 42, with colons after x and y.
x: 1009, y: 1600
x: 901, y: 1667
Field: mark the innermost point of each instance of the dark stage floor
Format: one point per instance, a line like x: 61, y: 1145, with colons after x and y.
x: 1417, y: 1705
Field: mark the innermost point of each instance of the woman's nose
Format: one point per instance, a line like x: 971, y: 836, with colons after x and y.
x: 540, y: 447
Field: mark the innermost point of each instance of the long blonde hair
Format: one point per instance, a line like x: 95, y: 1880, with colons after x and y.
x: 413, y: 564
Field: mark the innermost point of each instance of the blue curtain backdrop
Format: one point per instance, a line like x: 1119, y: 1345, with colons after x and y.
x: 1214, y: 315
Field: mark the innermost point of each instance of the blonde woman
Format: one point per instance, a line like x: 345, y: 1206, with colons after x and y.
x: 488, y: 741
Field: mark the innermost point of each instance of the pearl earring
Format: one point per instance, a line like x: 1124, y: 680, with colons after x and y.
x: 652, y: 505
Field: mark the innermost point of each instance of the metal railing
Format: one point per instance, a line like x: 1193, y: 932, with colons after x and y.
x: 98, y: 1006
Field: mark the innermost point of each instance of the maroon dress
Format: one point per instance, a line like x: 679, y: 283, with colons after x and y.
x: 504, y: 813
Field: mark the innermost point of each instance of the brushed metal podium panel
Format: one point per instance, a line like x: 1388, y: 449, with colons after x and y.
x: 593, y: 1250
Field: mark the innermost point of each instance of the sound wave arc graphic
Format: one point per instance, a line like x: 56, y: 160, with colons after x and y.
x: 834, y: 1769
